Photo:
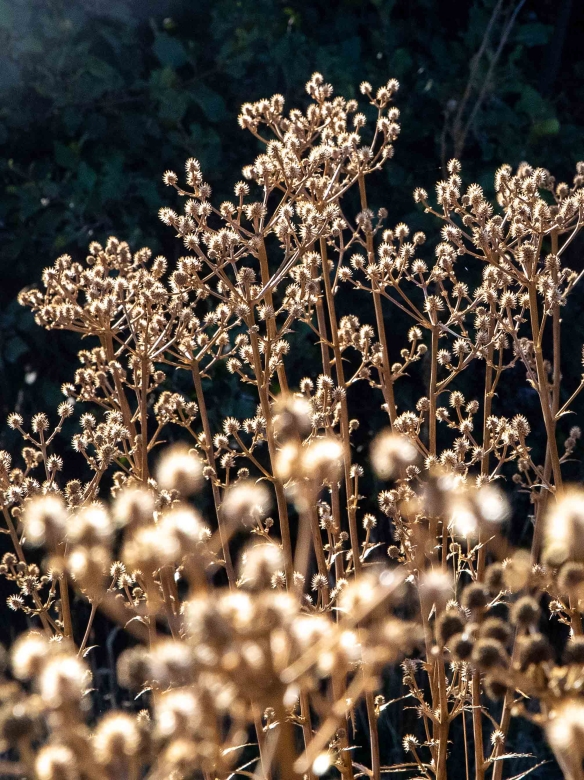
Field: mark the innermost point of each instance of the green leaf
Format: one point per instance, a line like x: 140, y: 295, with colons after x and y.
x: 532, y: 103
x: 169, y: 51
x: 160, y: 80
x: 549, y: 126
x: 534, y: 34
x: 210, y: 102
x: 9, y: 75
x: 65, y: 156
x: 173, y: 106
x: 86, y: 176
x: 15, y: 348
x: 101, y: 70
x: 7, y: 15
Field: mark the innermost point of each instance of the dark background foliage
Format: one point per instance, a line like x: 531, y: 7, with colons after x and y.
x: 99, y: 97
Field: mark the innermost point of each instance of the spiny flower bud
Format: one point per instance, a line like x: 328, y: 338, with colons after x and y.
x: 448, y: 624
x: 525, y: 612
x: 495, y: 628
x: 410, y: 743
x: 461, y: 646
x: 474, y: 596
x: 534, y: 649
x: 488, y: 653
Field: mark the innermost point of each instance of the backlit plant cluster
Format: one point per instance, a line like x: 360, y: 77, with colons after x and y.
x: 258, y: 632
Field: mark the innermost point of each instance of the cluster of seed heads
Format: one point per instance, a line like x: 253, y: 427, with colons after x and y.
x: 278, y: 653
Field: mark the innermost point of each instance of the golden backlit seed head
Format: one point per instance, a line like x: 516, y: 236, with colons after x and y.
x: 564, y: 529
x: 391, y: 452
x: 565, y: 733
x: 322, y: 459
x: 292, y: 416
x: 90, y: 525
x: 45, y: 519
x: 180, y: 469
x: 246, y: 502
x: 56, y: 762
x: 63, y: 681
x: 133, y: 506
x: 177, y: 713
x: 116, y: 737
x: 259, y: 563
x: 28, y: 654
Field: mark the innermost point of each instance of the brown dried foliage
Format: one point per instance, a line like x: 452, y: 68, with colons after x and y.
x: 274, y: 650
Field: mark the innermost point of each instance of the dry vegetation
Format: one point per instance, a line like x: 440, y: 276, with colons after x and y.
x: 256, y: 668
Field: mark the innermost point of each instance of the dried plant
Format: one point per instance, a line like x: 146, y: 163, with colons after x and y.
x: 259, y: 669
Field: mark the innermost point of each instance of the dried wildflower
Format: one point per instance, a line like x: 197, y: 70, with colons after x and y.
x: 260, y: 563
x: 488, y: 653
x: 56, y: 762
x: 322, y: 459
x: 525, y: 612
x: 90, y: 526
x: 247, y: 503
x: 494, y: 578
x: 449, y: 624
x: 28, y: 654
x: 45, y: 520
x: 564, y: 733
x: 179, y: 469
x: 133, y: 506
x: 461, y: 646
x: 63, y: 681
x: 474, y: 596
x: 495, y: 628
x: 390, y: 452
x: 116, y: 736
x: 563, y: 529
x: 534, y: 649
x: 133, y: 668
x: 312, y: 604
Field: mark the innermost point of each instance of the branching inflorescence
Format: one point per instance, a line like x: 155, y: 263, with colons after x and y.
x: 259, y: 671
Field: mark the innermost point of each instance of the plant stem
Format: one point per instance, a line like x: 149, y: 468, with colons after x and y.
x: 210, y: 455
x: 345, y: 432
x: 261, y: 379
x: 88, y: 628
x: 385, y: 374
x: 543, y: 387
